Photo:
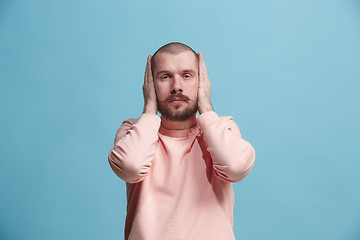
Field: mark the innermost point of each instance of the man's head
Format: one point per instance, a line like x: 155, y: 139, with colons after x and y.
x: 172, y: 48
x: 175, y: 71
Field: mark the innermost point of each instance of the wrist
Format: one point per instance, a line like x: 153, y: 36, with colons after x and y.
x: 205, y: 108
x: 150, y: 108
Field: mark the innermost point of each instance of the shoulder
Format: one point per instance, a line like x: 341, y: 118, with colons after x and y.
x: 129, y: 122
x: 211, y: 122
x: 124, y: 128
x: 212, y: 117
x: 146, y: 122
x: 226, y: 118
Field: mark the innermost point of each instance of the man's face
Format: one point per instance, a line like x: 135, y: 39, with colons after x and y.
x: 176, y: 84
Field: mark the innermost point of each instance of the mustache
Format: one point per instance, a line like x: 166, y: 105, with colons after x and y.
x: 178, y: 95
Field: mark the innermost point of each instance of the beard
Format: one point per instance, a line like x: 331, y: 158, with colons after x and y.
x: 177, y: 115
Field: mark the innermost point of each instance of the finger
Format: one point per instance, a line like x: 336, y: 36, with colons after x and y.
x: 147, y: 70
x: 204, y: 69
x: 201, y: 72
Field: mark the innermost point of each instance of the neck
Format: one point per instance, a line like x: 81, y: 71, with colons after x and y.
x: 179, y: 125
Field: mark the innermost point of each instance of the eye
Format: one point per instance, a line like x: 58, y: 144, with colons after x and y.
x: 187, y: 76
x: 165, y: 77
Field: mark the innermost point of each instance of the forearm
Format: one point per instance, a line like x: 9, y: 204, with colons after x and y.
x: 132, y: 154
x: 232, y: 156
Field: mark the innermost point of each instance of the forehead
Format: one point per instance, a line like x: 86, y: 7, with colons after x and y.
x: 175, y: 62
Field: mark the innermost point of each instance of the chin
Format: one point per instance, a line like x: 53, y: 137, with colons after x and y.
x: 177, y: 115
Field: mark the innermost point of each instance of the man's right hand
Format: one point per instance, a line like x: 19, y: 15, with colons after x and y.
x: 150, y: 103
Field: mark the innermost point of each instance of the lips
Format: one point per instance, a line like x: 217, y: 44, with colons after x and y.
x: 177, y: 100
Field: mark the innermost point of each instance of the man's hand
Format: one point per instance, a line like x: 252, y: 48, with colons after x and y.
x: 150, y: 103
x: 204, y: 91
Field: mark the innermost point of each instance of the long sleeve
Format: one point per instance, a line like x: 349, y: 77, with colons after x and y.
x: 134, y: 148
x: 232, y: 156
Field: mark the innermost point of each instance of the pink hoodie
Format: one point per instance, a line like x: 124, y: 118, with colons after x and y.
x: 179, y: 183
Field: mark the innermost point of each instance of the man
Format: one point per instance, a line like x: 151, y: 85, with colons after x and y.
x: 179, y: 168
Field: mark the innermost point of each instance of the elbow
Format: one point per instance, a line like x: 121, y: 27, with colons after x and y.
x: 244, y: 164
x: 238, y: 168
x: 131, y: 171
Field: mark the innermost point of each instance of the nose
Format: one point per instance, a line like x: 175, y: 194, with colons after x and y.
x: 176, y: 85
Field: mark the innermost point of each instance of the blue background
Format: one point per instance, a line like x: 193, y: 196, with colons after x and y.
x: 288, y: 72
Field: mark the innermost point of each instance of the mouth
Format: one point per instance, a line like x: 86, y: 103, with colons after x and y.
x: 177, y: 100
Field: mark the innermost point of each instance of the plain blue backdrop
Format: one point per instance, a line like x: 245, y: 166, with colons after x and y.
x: 287, y: 71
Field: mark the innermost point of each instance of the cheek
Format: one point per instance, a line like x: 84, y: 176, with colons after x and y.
x: 161, y: 92
x: 193, y: 89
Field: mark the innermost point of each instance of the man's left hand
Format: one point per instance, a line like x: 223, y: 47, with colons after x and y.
x: 204, y: 91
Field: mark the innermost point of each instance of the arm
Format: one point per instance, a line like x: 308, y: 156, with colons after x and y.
x: 232, y: 156
x: 135, y: 141
x: 134, y: 148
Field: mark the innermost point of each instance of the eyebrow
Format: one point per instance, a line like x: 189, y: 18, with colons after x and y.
x: 184, y: 71
x: 161, y: 72
x: 189, y: 71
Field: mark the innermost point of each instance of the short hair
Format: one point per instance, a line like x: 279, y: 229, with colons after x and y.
x: 172, y: 48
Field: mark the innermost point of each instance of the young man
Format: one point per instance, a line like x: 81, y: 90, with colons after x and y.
x: 179, y: 168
